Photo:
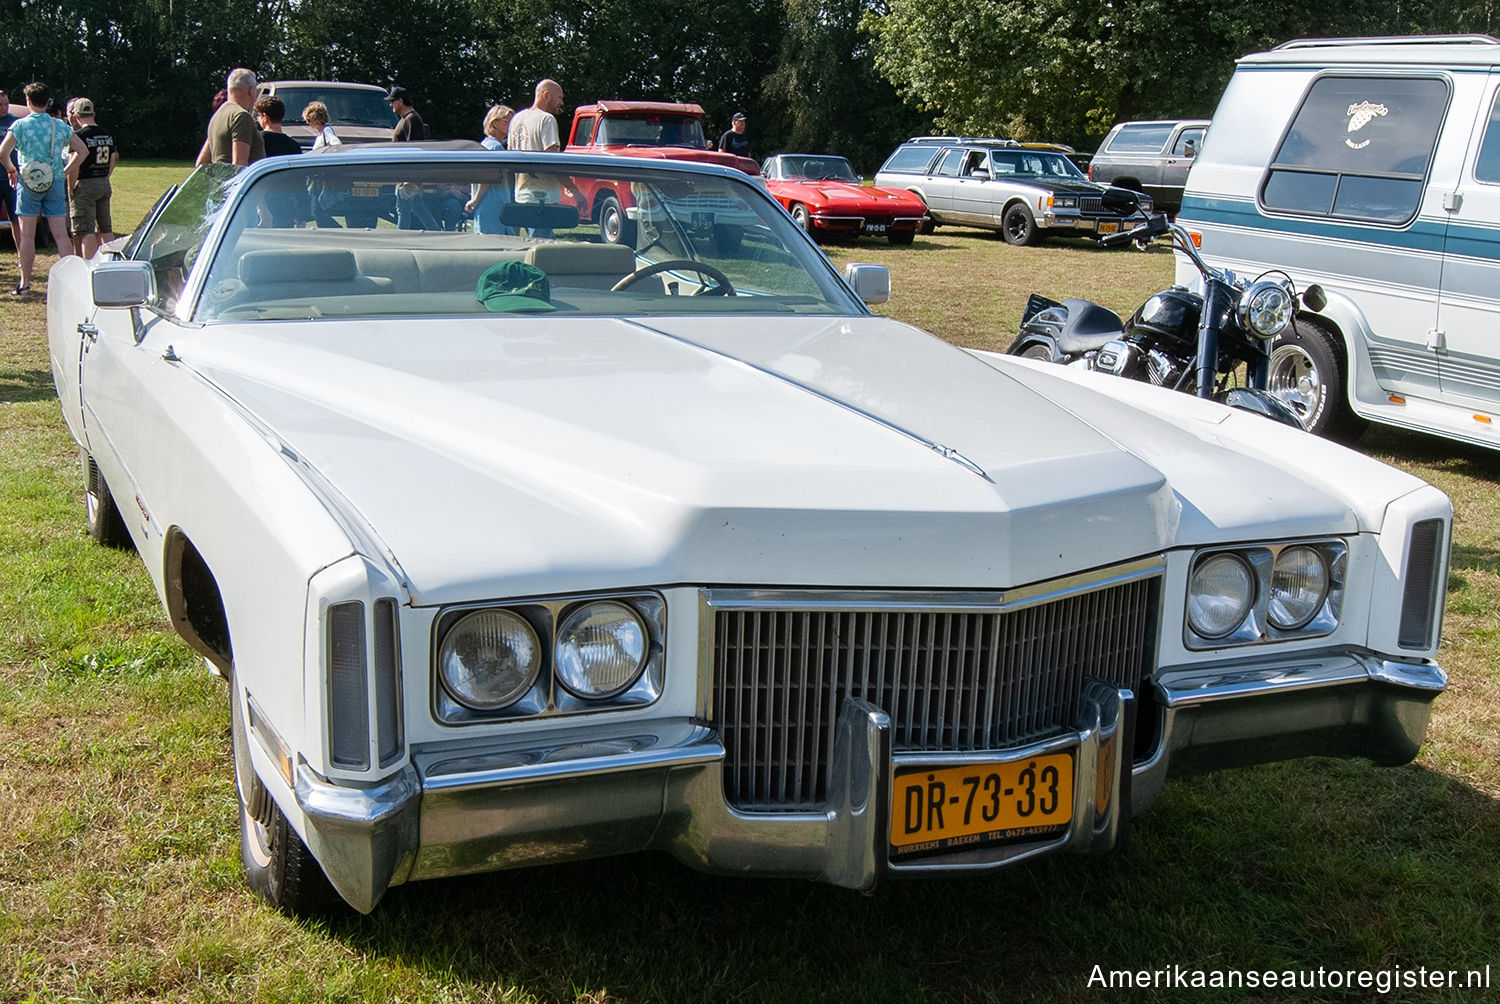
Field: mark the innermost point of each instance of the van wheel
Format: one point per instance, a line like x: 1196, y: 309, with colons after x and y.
x: 1019, y: 226
x: 1308, y: 375
x: 105, y: 524
x: 278, y: 865
x: 614, y: 226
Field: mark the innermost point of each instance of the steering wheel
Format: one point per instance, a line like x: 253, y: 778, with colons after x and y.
x: 721, y: 287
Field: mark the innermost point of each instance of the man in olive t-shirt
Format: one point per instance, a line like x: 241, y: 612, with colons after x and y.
x: 233, y: 136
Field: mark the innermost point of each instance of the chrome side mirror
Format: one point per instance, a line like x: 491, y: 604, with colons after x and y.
x: 871, y: 283
x: 121, y: 283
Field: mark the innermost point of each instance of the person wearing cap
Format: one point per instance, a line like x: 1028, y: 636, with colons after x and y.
x: 734, y: 139
x: 233, y: 136
x: 88, y: 205
x: 411, y: 207
x: 411, y: 127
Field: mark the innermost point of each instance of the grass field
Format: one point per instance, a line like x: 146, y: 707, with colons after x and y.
x: 120, y: 878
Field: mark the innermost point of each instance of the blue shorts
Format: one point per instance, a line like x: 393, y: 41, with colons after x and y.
x: 53, y: 202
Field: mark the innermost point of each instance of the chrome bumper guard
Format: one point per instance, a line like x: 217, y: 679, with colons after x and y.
x: 659, y: 785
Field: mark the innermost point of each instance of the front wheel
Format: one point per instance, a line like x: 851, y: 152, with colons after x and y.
x: 105, y: 524
x: 1307, y: 374
x: 614, y: 226
x: 1019, y: 226
x: 278, y: 865
x: 802, y: 217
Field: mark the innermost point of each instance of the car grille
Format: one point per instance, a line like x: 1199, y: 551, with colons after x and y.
x: 1091, y: 204
x: 952, y: 676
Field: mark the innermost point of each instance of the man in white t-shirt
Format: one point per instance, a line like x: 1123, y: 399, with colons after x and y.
x: 535, y: 128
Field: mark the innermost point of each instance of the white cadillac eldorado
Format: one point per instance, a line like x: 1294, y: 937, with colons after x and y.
x: 520, y: 547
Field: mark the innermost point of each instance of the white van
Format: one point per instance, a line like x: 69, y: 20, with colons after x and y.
x: 1371, y: 167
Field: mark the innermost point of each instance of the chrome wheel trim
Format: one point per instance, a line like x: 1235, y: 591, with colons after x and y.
x: 610, y: 224
x: 1295, y: 380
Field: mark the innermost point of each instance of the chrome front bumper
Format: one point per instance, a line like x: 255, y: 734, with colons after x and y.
x: 560, y: 797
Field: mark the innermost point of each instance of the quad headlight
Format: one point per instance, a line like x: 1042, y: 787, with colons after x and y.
x: 1221, y: 595
x: 489, y: 659
x: 1265, y: 593
x: 601, y: 649
x: 548, y: 656
x: 1265, y: 309
x: 1299, y: 585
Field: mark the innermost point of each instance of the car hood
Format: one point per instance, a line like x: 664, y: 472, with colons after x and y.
x: 847, y: 193
x: 688, y: 153
x: 517, y: 455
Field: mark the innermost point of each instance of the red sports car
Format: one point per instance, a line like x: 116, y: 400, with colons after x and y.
x: 823, y: 193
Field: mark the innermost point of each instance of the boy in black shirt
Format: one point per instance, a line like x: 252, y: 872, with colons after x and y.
x: 88, y: 202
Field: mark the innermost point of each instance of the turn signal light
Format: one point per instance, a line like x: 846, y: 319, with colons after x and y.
x: 1197, y: 239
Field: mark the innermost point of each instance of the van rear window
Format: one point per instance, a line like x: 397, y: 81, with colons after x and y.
x: 910, y: 160
x: 1145, y: 137
x: 1358, y: 149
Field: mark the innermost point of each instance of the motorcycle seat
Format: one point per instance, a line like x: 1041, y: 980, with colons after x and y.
x: 1086, y: 326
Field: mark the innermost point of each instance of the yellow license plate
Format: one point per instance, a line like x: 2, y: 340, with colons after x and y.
x: 1109, y: 228
x: 954, y: 807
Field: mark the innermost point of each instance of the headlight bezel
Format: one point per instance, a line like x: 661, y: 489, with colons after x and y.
x: 548, y: 696
x: 1257, y: 626
x: 1266, y: 309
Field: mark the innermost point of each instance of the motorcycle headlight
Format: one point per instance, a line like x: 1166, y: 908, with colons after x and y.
x: 1265, y: 309
x: 1220, y: 595
x: 601, y: 649
x: 489, y: 659
x: 1299, y: 585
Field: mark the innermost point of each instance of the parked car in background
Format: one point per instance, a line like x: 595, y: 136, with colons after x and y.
x: 358, y: 112
x: 650, y: 130
x: 1151, y: 157
x: 998, y: 184
x: 1372, y: 168
x: 518, y: 550
x: 827, y: 199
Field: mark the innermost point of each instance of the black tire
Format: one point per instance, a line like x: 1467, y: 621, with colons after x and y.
x: 278, y: 865
x: 1036, y: 350
x: 903, y: 239
x: 614, y: 226
x: 1308, y: 374
x: 802, y: 217
x: 1018, y: 226
x: 105, y: 524
x: 727, y: 239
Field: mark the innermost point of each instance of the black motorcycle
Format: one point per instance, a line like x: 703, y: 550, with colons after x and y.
x: 1216, y: 344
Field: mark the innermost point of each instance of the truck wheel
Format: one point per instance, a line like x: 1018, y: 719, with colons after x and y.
x: 1309, y: 376
x: 1018, y: 227
x: 106, y: 525
x: 278, y: 865
x: 614, y: 226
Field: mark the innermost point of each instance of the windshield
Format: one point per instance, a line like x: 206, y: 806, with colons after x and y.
x: 817, y: 169
x: 440, y: 235
x: 650, y: 130
x: 1033, y: 164
x: 347, y: 106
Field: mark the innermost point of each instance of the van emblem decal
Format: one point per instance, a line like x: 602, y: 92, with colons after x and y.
x: 1359, y: 116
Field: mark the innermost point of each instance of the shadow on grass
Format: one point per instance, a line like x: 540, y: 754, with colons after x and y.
x: 1314, y: 863
x: 26, y: 386
x: 1402, y: 446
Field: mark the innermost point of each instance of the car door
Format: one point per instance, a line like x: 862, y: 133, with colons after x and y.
x: 974, y: 190
x: 1179, y: 160
x: 942, y: 186
x: 1467, y: 337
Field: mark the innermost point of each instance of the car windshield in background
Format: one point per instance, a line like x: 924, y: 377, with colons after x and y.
x: 348, y: 106
x: 387, y: 236
x: 650, y: 130
x: 1011, y: 163
x: 818, y: 169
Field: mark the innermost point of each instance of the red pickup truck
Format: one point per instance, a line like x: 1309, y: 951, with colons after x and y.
x: 654, y: 129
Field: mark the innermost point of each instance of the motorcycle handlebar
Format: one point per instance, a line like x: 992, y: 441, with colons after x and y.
x: 1154, y: 226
